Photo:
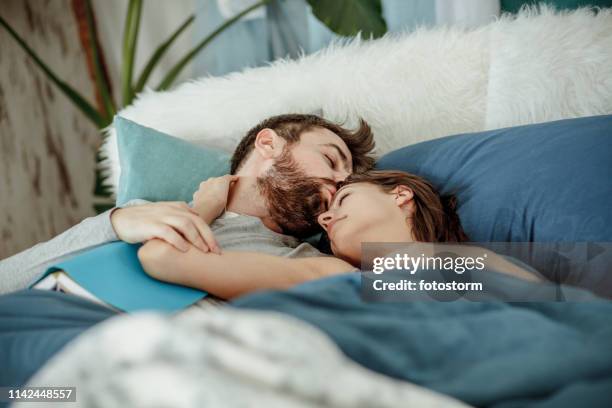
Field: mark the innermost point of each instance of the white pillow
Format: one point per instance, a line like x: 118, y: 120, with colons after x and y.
x: 409, y: 88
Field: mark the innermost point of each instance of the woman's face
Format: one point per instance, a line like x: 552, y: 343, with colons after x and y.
x: 364, y: 212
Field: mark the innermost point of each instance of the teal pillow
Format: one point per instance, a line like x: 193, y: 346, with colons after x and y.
x: 159, y: 167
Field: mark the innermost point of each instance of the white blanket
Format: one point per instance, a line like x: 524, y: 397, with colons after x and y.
x: 222, y: 358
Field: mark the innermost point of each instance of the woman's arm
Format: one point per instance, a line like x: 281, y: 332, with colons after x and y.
x: 232, y: 274
x: 210, y: 200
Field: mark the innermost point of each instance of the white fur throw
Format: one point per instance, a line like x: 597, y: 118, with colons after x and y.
x: 539, y: 66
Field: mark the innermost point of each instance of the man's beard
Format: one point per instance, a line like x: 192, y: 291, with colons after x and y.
x: 293, y: 199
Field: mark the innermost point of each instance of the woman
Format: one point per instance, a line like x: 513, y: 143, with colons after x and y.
x: 378, y: 206
x: 388, y: 206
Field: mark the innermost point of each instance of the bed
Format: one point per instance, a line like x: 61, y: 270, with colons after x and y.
x: 539, y: 351
x: 321, y: 344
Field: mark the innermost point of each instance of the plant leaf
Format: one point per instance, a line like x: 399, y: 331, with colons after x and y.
x: 176, y: 70
x: 79, y: 101
x: 101, y: 83
x: 130, y: 37
x: 159, y: 53
x: 348, y: 17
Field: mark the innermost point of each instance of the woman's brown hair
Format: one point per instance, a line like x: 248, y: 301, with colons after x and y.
x: 435, y: 218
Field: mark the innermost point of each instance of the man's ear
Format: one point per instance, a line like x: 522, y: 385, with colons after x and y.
x: 268, y: 144
x: 403, y: 195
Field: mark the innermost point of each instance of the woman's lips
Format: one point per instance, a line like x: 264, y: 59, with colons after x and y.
x: 331, y: 224
x: 329, y: 227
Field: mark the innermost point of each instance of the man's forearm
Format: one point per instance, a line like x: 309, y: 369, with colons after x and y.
x: 232, y: 274
x: 21, y: 270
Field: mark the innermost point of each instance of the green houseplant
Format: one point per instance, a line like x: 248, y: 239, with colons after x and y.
x: 344, y: 17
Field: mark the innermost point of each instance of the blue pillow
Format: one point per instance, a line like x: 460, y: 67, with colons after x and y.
x: 159, y: 167
x: 548, y: 182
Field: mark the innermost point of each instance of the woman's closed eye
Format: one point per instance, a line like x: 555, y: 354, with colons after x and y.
x: 341, y: 199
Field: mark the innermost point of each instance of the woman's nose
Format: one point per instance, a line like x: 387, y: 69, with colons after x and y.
x: 325, y: 218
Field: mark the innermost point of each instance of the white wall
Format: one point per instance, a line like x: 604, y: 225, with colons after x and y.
x: 47, y: 147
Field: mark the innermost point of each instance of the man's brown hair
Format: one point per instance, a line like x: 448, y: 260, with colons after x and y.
x: 435, y: 218
x: 290, y: 127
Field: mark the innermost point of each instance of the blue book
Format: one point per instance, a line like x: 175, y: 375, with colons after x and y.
x: 111, y: 274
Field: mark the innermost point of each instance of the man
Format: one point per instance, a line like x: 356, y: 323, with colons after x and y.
x: 288, y: 166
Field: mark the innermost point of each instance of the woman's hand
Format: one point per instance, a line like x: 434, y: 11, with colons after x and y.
x: 173, y: 222
x: 211, y: 198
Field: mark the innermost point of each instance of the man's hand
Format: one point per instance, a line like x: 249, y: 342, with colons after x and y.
x: 211, y: 198
x: 173, y: 222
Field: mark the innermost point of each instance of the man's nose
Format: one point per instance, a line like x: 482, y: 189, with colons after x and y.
x: 332, y: 188
x: 340, y: 175
x: 328, y: 189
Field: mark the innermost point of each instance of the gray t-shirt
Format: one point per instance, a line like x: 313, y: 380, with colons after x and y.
x: 237, y: 232
x: 233, y: 232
